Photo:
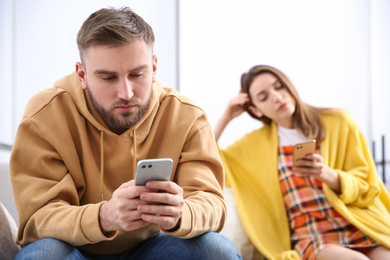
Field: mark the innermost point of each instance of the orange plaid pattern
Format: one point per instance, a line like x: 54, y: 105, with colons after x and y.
x: 313, y: 221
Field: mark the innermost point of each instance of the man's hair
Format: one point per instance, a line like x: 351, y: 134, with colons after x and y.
x: 113, y: 27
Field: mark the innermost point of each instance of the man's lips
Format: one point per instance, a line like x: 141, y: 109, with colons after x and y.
x: 125, y: 107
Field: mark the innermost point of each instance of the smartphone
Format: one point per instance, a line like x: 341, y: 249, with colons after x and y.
x: 303, y: 149
x: 153, y: 170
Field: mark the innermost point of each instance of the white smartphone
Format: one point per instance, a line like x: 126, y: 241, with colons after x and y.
x: 153, y: 170
x: 303, y: 149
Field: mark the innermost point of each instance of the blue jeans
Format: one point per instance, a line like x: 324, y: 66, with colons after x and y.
x: 162, y: 246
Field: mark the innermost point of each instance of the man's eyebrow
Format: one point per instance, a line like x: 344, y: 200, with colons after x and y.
x: 142, y: 67
x: 107, y: 72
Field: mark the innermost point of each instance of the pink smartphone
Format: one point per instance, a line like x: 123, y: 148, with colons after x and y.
x: 303, y: 149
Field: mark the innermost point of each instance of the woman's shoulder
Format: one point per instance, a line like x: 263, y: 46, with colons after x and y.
x: 335, y: 116
x: 264, y: 130
x: 253, y: 144
x: 254, y: 135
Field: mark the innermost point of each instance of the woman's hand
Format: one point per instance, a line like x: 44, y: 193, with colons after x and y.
x: 234, y: 108
x: 313, y: 165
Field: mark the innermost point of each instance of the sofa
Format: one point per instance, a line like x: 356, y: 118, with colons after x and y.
x: 9, y: 219
x: 8, y: 216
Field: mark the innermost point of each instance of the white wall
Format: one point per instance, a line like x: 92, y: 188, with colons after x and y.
x: 380, y: 79
x: 6, y: 64
x: 323, y: 46
x: 335, y: 52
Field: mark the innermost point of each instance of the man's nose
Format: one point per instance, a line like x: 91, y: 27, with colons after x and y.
x: 125, y: 90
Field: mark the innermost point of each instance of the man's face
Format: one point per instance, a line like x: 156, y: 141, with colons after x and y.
x: 119, y: 81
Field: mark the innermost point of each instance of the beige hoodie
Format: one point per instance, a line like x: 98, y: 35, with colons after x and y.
x: 65, y: 160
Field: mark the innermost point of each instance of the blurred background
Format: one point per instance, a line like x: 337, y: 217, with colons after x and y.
x: 336, y: 52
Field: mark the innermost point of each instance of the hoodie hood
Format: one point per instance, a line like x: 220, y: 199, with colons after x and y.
x: 72, y: 86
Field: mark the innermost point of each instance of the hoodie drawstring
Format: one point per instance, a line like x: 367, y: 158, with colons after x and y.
x: 101, y: 164
x: 102, y: 160
x: 135, y: 153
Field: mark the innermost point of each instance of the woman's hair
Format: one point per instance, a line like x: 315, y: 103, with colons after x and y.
x: 113, y: 27
x: 306, y: 118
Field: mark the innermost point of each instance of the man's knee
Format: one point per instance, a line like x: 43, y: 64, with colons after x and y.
x: 206, y: 246
x: 216, y: 246
x: 45, y: 248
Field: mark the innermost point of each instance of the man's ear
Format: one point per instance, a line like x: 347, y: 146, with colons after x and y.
x: 255, y: 111
x: 82, y: 75
x: 154, y: 64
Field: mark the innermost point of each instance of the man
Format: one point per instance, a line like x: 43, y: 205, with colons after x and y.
x: 76, y: 150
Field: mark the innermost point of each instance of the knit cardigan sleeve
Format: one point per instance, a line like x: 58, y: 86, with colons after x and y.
x: 364, y: 199
x: 346, y: 151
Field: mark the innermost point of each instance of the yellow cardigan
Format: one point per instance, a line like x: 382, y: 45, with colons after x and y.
x: 251, y: 170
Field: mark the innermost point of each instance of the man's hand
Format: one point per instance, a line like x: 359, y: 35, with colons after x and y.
x: 120, y: 212
x: 132, y: 207
x: 162, y: 204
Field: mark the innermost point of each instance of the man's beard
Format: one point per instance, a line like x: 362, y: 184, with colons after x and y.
x: 125, y: 120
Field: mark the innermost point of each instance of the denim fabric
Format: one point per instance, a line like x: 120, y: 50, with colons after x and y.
x: 162, y: 246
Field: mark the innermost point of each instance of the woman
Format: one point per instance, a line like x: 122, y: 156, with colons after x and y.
x: 332, y: 205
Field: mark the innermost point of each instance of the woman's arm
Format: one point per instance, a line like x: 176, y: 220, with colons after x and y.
x: 234, y: 108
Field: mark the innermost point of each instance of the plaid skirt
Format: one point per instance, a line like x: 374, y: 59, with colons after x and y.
x: 314, y: 223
